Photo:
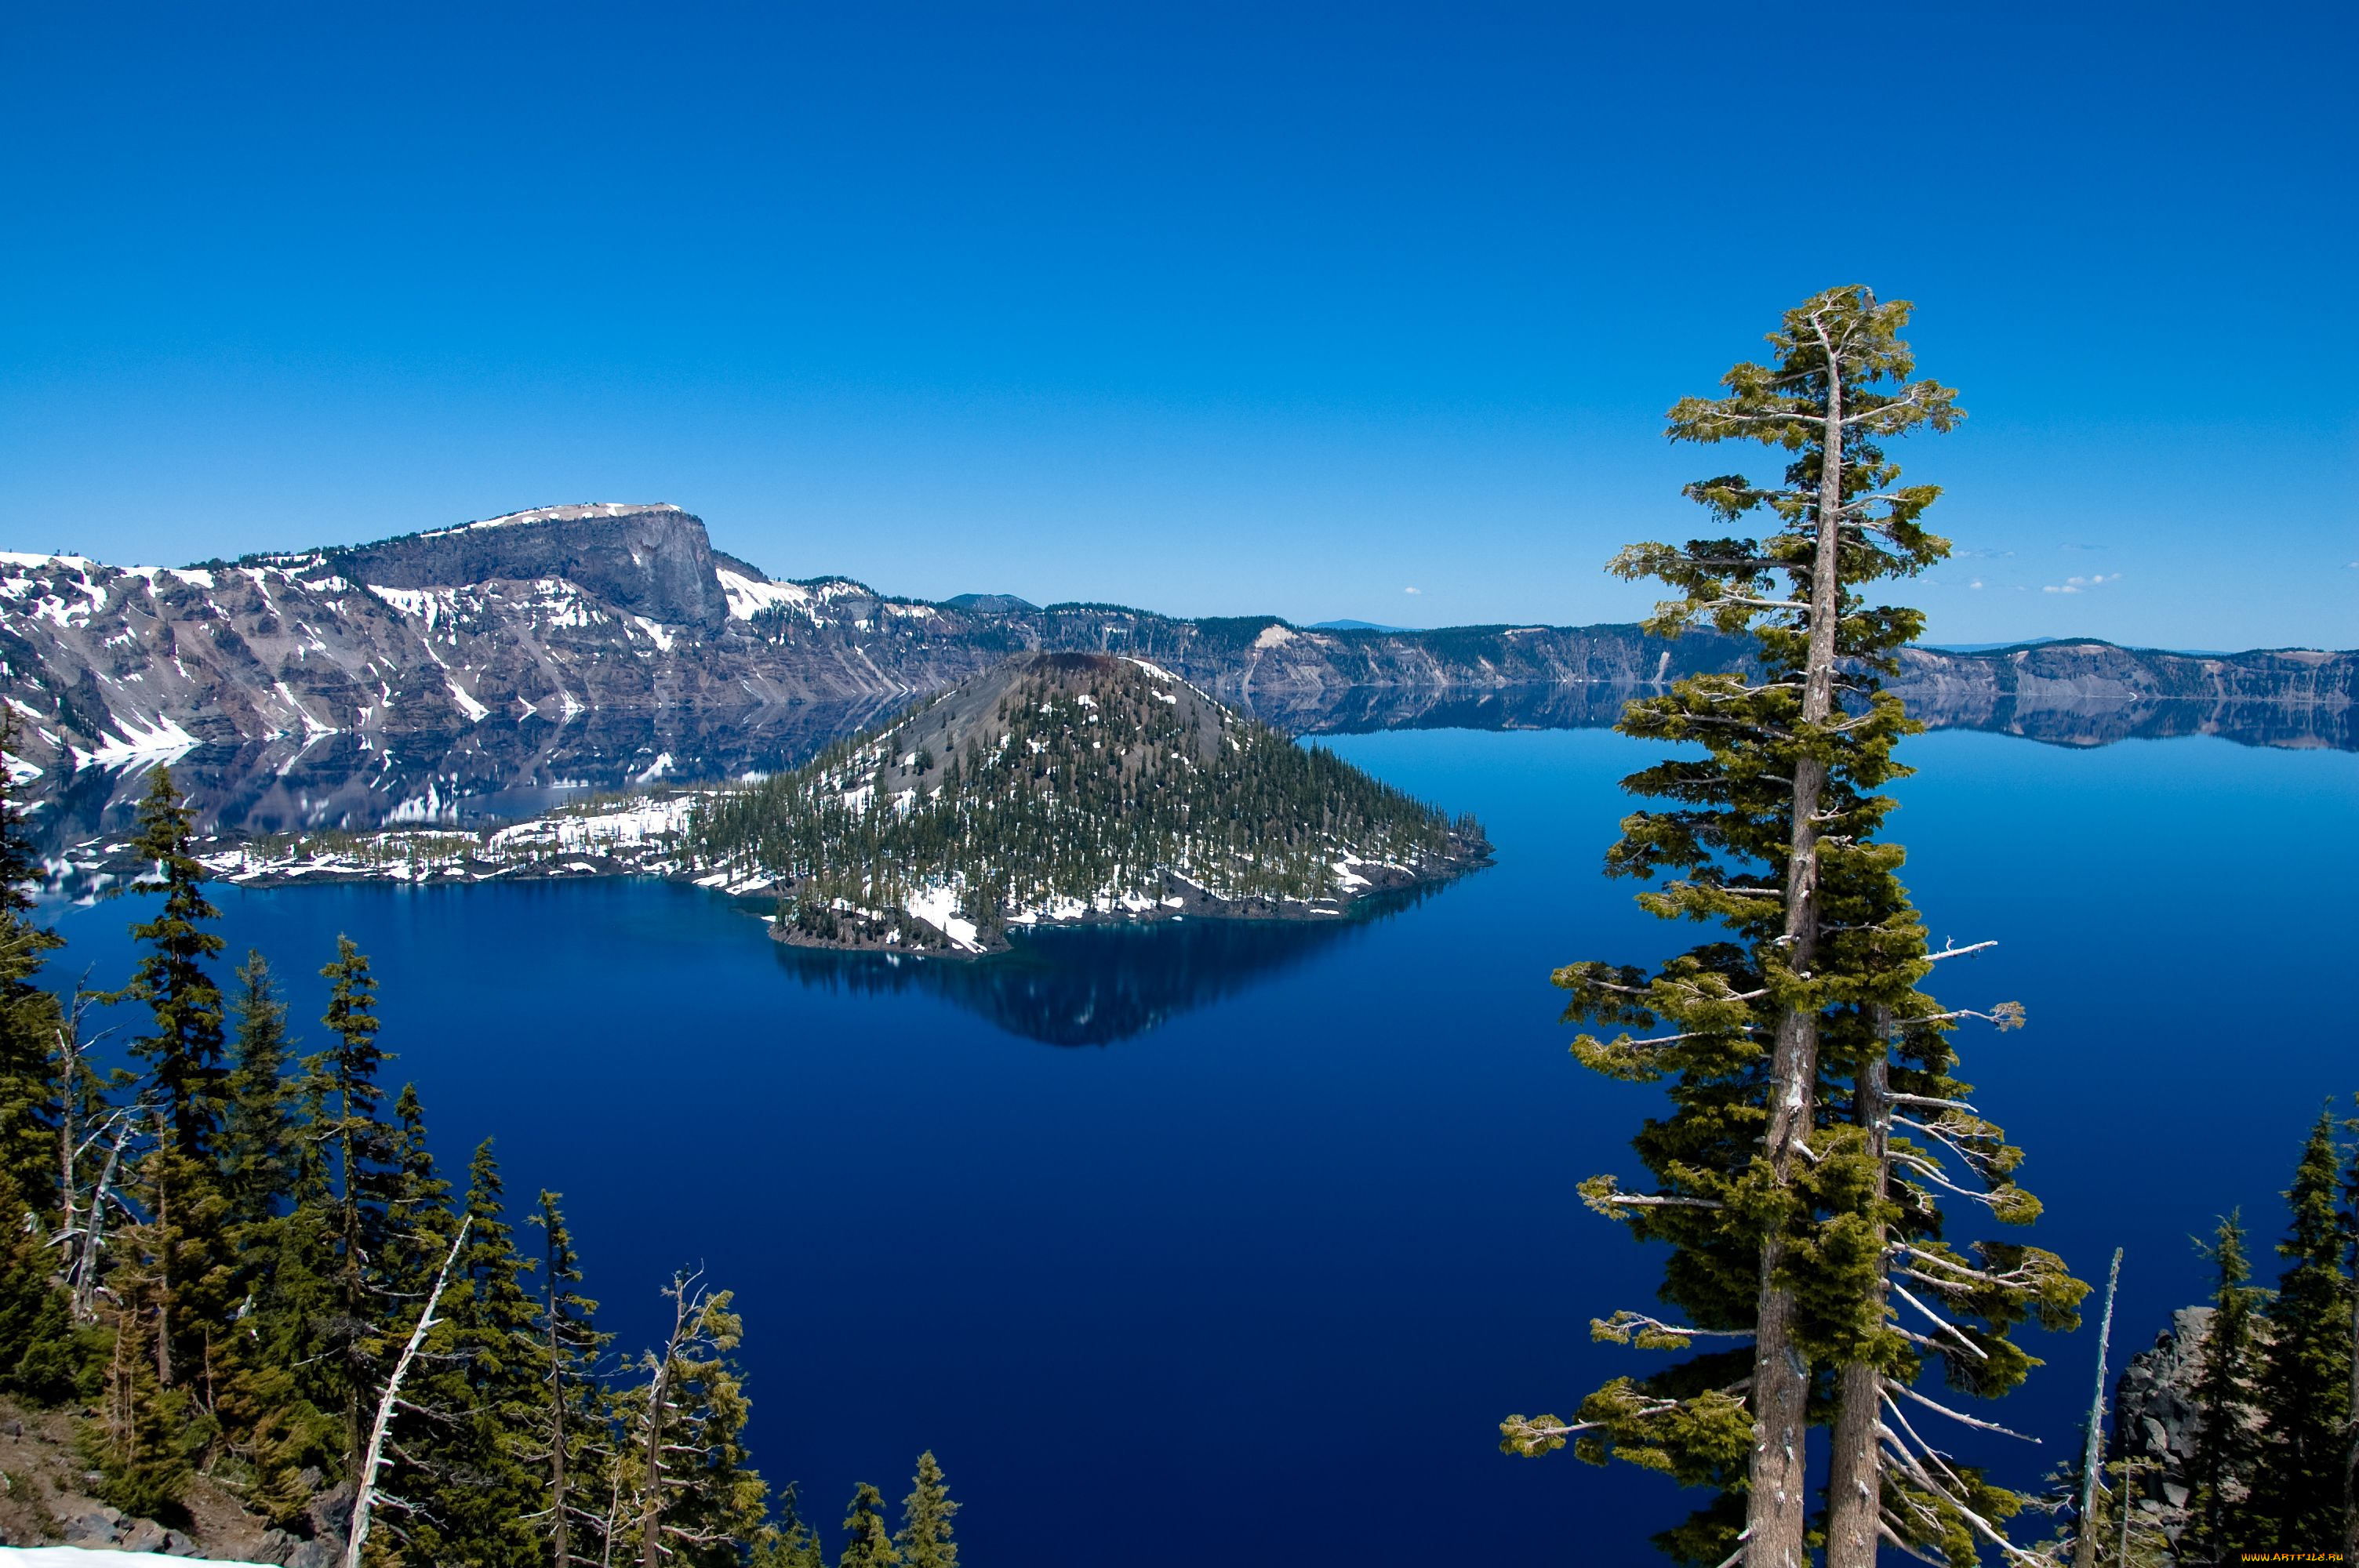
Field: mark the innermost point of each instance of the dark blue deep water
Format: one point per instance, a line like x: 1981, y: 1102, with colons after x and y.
x: 1229, y: 1244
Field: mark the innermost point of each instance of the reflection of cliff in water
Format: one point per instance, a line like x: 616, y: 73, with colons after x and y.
x: 2059, y: 715
x: 1096, y: 984
x: 494, y: 770
x: 505, y: 770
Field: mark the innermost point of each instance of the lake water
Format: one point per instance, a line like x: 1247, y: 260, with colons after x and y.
x: 1233, y: 1244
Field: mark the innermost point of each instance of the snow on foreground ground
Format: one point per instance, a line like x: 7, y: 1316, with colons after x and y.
x: 83, y: 1557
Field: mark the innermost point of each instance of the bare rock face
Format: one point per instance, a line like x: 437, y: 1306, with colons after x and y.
x: 654, y: 561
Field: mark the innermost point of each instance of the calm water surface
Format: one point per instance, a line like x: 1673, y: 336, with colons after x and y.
x: 1233, y: 1244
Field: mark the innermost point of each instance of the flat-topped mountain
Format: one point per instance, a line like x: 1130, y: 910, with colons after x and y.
x: 654, y: 561
x: 1067, y: 786
x: 565, y: 642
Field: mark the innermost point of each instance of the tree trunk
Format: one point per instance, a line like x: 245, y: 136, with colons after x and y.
x: 68, y: 1135
x: 561, y: 1542
x: 1855, y: 1471
x: 163, y: 1255
x: 1776, y: 1507
x: 2084, y: 1546
x: 651, y: 1528
x: 364, y: 1489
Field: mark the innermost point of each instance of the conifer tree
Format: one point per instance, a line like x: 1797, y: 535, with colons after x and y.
x: 341, y: 1084
x: 866, y: 1542
x: 185, y: 1049
x: 258, y: 1133
x: 2351, y: 1426
x: 136, y: 1445
x: 1787, y: 1198
x: 2227, y: 1441
x: 924, y: 1539
x: 789, y: 1541
x: 30, y: 1016
x: 2305, y: 1380
x: 37, y: 1354
x: 573, y: 1416
x: 694, y: 1496
x: 476, y: 1393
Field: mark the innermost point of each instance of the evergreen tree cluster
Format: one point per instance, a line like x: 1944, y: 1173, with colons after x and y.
x: 2276, y: 1467
x: 229, y: 1255
x: 1078, y: 778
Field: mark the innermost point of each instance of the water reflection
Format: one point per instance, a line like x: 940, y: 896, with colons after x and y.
x: 509, y: 769
x: 1095, y: 985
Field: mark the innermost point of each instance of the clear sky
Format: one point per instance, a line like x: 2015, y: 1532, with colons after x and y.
x: 1360, y: 311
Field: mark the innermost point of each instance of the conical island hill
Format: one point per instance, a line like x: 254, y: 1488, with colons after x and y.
x: 1069, y: 788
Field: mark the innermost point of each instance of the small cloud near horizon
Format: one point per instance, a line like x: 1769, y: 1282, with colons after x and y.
x: 1976, y: 583
x: 2080, y: 584
x: 2078, y: 547
x: 1412, y: 590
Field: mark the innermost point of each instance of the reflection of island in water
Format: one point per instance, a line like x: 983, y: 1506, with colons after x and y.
x: 1093, y: 985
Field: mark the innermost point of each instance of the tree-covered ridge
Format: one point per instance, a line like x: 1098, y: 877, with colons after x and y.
x: 1061, y: 782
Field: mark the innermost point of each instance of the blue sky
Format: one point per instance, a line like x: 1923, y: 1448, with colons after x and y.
x: 1213, y: 310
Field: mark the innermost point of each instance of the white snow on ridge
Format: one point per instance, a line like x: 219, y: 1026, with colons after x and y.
x: 473, y: 709
x: 140, y: 745
x: 556, y: 514
x: 423, y: 602
x: 748, y: 598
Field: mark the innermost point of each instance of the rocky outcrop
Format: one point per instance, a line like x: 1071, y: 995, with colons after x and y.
x: 2154, y: 1421
x: 652, y: 561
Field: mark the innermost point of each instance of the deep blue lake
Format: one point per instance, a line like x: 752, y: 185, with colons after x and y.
x: 1235, y: 1243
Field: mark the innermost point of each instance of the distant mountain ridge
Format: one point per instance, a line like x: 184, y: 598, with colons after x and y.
x: 562, y: 619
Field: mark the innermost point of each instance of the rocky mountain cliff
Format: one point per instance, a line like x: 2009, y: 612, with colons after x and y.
x: 596, y: 642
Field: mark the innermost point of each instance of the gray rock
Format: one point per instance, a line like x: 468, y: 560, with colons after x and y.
x: 315, y: 1554
x: 178, y: 1546
x: 144, y: 1535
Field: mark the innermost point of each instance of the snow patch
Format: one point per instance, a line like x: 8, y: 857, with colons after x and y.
x: 473, y: 709
x: 937, y: 907
x: 141, y: 744
x: 748, y: 598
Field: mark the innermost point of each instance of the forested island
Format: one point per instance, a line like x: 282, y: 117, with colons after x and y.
x: 1067, y: 787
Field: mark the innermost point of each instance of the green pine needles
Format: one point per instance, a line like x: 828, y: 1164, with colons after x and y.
x: 1816, y: 1148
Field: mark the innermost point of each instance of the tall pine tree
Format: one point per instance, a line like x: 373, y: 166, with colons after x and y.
x: 184, y: 1050
x: 1787, y: 1196
x: 924, y: 1539
x: 2305, y: 1380
x: 2228, y: 1417
x: 572, y: 1426
x: 341, y: 1084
